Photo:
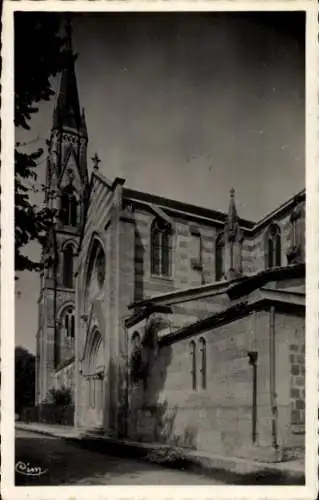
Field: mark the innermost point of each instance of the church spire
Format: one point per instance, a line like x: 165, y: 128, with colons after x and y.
x: 67, y: 111
x: 232, y: 211
x: 83, y: 125
x: 233, y: 240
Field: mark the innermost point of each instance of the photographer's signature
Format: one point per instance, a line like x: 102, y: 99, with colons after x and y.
x: 27, y: 469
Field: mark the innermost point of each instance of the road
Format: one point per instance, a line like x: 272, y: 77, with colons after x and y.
x: 65, y: 463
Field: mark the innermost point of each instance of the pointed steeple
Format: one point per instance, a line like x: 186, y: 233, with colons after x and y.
x: 83, y: 129
x: 233, y: 240
x: 232, y: 211
x: 67, y: 111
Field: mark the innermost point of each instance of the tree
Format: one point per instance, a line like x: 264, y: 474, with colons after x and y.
x: 39, y: 56
x: 24, y: 379
x: 60, y: 397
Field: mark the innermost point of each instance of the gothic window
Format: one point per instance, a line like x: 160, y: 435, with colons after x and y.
x: 196, y: 248
x: 68, y: 266
x: 69, y: 323
x: 100, y: 267
x: 202, y: 349
x: 297, y: 227
x: 219, y: 257
x: 69, y: 203
x: 65, y: 332
x: 273, y: 242
x: 297, y: 235
x: 193, y: 364
x: 161, y: 249
x: 95, y: 271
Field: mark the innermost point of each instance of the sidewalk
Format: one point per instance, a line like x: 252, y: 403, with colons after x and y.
x: 292, y: 472
x: 59, y: 431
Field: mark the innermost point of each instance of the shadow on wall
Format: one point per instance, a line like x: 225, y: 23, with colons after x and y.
x: 115, y: 399
x: 150, y: 418
x: 138, y: 267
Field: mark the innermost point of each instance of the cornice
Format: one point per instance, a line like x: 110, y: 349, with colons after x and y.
x: 233, y: 289
x: 210, y: 217
x: 185, y: 295
x: 291, y: 302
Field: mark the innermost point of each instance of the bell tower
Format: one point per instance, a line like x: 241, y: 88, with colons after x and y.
x: 66, y: 192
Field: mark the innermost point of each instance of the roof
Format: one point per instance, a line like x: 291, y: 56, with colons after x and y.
x: 176, y: 208
x: 234, y: 288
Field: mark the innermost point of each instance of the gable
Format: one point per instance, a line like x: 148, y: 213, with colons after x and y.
x: 69, y: 171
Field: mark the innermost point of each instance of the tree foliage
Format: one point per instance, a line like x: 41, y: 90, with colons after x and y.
x: 24, y: 379
x: 39, y: 56
x: 60, y: 397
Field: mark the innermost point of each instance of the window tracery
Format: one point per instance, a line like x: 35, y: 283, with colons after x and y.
x: 273, y: 249
x: 295, y: 252
x: 69, y: 206
x: 161, y: 249
x: 68, y: 261
x: 220, y: 257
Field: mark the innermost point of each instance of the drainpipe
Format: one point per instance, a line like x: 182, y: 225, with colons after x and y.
x: 127, y: 384
x: 127, y: 380
x: 272, y: 381
x: 253, y: 356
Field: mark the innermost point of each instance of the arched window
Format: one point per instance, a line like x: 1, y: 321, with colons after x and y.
x: 65, y: 333
x: 57, y: 348
x: 68, y: 266
x: 219, y: 257
x: 296, y: 248
x: 273, y: 251
x: 69, y: 204
x: 161, y: 249
x: 69, y: 323
x: 95, y: 271
x: 202, y: 350
x: 100, y: 266
x: 193, y: 364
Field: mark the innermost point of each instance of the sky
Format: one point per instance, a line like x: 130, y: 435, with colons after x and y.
x: 186, y: 106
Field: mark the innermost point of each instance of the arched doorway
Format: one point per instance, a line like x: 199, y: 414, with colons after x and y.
x: 95, y: 379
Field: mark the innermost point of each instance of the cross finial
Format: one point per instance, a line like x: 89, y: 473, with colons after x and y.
x: 232, y: 192
x: 68, y: 27
x: 68, y: 33
x: 96, y: 160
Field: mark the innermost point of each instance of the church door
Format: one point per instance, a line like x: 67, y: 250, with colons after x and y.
x: 95, y: 380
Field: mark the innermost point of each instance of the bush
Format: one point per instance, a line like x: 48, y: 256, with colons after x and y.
x: 48, y: 413
x: 60, y: 397
x: 171, y: 456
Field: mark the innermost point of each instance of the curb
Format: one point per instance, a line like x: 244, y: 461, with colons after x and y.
x: 227, y: 469
x: 45, y: 432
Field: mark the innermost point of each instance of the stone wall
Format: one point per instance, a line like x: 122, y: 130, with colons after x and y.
x: 255, y: 248
x: 297, y: 386
x: 184, y: 275
x: 290, y: 378
x: 297, y: 381
x: 219, y: 418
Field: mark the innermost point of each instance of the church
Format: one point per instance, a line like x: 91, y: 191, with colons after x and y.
x: 170, y: 323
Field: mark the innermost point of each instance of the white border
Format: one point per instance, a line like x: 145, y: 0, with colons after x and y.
x: 8, y: 490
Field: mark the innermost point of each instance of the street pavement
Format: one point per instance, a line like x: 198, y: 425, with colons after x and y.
x: 66, y: 463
